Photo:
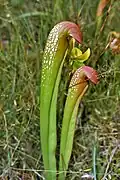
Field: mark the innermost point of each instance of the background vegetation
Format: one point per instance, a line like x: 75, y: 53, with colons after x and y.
x: 24, y: 27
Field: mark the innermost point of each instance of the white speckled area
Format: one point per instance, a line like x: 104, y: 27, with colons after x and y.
x: 76, y: 80
x: 50, y: 50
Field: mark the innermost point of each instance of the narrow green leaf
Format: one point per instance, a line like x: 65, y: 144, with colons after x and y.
x: 77, y: 88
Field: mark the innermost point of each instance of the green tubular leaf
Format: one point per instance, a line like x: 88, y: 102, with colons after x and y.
x: 78, y: 87
x: 52, y: 124
x: 48, y: 107
x: 54, y: 55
